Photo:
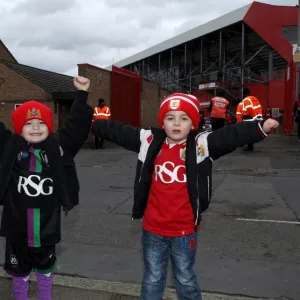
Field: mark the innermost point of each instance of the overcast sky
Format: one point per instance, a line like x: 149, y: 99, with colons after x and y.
x: 56, y: 35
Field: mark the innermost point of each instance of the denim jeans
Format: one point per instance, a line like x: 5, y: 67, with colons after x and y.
x: 157, y: 250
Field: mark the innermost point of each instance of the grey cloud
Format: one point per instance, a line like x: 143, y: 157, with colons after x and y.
x: 141, y: 4
x: 45, y: 7
x: 70, y: 38
x: 59, y: 34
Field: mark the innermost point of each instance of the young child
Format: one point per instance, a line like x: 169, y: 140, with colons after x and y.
x: 173, y: 185
x: 37, y: 178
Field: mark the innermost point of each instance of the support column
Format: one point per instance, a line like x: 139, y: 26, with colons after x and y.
x: 298, y: 64
x: 148, y: 69
x: 224, y: 60
x: 201, y: 56
x: 185, y: 58
x: 243, y: 58
x: 159, y: 69
x: 220, y: 52
x: 270, y: 71
x: 178, y: 78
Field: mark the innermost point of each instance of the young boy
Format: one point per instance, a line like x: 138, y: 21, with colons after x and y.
x: 37, y: 178
x: 173, y: 185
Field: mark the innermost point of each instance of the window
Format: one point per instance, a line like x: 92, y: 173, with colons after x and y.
x: 17, y: 105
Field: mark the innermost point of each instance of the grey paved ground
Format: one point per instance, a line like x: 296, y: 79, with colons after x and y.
x: 237, y: 254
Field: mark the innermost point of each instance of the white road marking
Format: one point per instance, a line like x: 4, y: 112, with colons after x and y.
x: 268, y: 221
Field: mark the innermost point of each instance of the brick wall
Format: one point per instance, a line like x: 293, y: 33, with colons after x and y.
x: 152, y: 96
x: 100, y: 88
x: 100, y: 83
x: 15, y: 89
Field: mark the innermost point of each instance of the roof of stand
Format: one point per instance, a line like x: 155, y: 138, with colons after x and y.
x: 254, y: 15
x: 211, y: 26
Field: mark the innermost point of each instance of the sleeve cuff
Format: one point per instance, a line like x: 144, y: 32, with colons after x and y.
x: 260, y: 129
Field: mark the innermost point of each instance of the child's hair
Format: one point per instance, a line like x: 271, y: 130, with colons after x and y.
x: 101, y: 102
x: 181, y: 102
x: 32, y: 110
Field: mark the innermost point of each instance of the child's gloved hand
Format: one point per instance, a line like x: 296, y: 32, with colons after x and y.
x: 81, y: 83
x: 269, y: 125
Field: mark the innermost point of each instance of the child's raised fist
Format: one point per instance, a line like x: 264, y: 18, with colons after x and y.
x: 81, y: 83
x: 269, y: 125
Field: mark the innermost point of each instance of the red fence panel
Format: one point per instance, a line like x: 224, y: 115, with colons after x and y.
x: 289, y: 98
x: 126, y: 97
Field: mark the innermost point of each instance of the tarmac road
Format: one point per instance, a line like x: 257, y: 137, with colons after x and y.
x: 249, y: 242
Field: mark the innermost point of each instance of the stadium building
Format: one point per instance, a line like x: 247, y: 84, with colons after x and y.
x: 251, y: 46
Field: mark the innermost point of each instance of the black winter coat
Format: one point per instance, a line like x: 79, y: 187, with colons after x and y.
x: 61, y: 149
x: 202, y: 148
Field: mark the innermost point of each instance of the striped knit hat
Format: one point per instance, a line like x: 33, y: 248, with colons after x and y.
x: 180, y: 102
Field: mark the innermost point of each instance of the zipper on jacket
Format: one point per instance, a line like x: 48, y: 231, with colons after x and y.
x: 208, y: 193
x: 198, y: 201
x: 142, y: 168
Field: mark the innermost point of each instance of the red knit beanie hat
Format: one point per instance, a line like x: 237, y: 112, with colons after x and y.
x: 32, y: 110
x: 180, y: 102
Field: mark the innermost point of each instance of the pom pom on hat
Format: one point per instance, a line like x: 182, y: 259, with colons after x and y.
x: 180, y: 102
x: 32, y: 110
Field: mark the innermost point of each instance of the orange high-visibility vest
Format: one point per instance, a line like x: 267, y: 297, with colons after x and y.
x: 252, y: 107
x: 102, y: 113
x: 239, y: 112
x: 219, y: 107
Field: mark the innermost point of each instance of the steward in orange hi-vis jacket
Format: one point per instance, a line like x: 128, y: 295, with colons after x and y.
x: 218, y: 112
x: 251, y: 106
x: 251, y: 110
x: 219, y: 107
x: 101, y: 111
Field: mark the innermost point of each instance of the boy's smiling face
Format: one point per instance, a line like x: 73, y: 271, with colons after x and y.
x: 177, y: 125
x: 35, y: 131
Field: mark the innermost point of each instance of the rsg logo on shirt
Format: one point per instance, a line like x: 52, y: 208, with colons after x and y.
x: 41, y: 186
x: 169, y: 173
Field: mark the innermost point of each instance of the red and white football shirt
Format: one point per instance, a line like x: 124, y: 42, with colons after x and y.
x: 169, y: 210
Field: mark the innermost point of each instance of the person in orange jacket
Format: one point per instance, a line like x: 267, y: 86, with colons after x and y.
x: 251, y: 110
x: 101, y: 111
x: 251, y: 106
x: 218, y: 112
x: 239, y: 112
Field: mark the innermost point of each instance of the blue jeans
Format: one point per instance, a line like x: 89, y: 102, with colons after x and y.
x: 157, y: 250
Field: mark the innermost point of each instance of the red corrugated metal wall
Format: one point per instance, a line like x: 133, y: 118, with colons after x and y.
x: 259, y: 90
x: 289, y: 98
x: 270, y: 95
x: 126, y: 97
x: 276, y: 94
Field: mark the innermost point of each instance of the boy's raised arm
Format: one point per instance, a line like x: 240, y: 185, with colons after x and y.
x: 229, y: 138
x: 77, y: 125
x: 126, y: 136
